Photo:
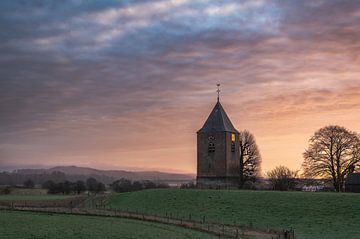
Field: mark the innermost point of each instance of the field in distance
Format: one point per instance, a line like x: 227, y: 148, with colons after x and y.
x: 17, y: 224
x: 10, y: 197
x: 312, y: 215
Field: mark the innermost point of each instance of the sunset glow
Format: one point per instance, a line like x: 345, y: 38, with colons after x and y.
x: 126, y: 84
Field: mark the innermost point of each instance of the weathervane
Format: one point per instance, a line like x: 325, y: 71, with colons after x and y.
x: 218, y: 91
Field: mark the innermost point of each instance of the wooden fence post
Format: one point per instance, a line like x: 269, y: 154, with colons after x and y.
x: 293, y: 233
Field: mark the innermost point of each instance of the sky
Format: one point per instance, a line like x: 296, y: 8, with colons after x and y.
x: 126, y: 84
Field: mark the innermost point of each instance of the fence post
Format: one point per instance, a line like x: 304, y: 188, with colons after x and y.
x: 293, y: 233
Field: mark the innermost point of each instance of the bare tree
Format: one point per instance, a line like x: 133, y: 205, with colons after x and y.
x: 282, y: 178
x: 250, y: 158
x: 333, y: 152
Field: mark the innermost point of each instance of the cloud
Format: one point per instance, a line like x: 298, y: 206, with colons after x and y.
x: 83, y: 80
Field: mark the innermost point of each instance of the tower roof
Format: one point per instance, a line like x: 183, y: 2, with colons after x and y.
x: 218, y: 121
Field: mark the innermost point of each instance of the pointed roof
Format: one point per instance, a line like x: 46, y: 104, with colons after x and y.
x: 218, y: 121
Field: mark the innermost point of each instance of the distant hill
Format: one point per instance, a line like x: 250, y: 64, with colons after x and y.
x: 107, y: 176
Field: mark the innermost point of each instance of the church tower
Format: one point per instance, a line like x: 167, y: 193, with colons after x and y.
x: 218, y: 151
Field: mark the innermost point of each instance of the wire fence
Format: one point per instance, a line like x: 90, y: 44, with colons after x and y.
x: 96, y: 206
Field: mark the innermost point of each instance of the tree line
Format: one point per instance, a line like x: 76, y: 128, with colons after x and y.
x: 94, y: 186
x: 333, y: 153
x: 126, y: 185
x: 67, y: 187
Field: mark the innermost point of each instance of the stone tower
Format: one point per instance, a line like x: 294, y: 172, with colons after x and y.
x: 218, y: 151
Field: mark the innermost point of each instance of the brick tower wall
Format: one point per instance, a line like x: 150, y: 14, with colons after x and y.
x: 217, y: 169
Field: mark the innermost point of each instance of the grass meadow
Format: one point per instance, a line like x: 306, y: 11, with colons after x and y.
x: 46, y: 197
x: 312, y: 215
x: 26, y: 225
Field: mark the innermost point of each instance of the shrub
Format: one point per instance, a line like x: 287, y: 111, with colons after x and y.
x: 29, y: 184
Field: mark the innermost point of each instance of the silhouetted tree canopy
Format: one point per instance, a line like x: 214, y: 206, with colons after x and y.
x: 122, y: 185
x: 126, y: 185
x: 65, y: 187
x: 91, y: 184
x: 6, y: 190
x: 148, y: 184
x: 282, y: 178
x: 136, y: 186
x: 250, y: 158
x: 48, y: 185
x: 332, y: 153
x: 100, y: 187
x: 79, y: 186
x: 29, y: 184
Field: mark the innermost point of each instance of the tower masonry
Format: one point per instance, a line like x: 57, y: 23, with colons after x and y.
x: 218, y: 151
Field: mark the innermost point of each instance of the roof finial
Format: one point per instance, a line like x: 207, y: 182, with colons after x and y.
x: 218, y: 92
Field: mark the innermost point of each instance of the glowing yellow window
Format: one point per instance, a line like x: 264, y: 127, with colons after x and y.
x: 233, y: 137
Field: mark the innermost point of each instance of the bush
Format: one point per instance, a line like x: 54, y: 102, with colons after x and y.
x: 147, y: 184
x: 5, y: 191
x: 282, y: 178
x: 79, y: 187
x: 188, y: 185
x: 121, y: 185
x: 91, y: 184
x: 29, y: 184
x: 100, y: 187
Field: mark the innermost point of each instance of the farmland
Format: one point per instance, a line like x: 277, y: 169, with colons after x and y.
x: 16, y: 224
x: 312, y: 215
x: 32, y: 197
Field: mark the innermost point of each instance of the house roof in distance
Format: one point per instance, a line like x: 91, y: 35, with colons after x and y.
x: 218, y: 121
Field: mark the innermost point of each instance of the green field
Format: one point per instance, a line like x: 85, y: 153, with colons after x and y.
x: 31, y: 197
x: 24, y: 225
x: 312, y: 215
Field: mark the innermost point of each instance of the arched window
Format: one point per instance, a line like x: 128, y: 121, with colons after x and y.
x: 211, y: 147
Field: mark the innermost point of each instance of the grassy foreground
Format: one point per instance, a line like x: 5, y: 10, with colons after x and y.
x: 312, y: 215
x: 16, y: 224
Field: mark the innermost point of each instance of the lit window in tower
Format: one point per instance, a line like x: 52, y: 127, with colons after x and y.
x: 233, y: 137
